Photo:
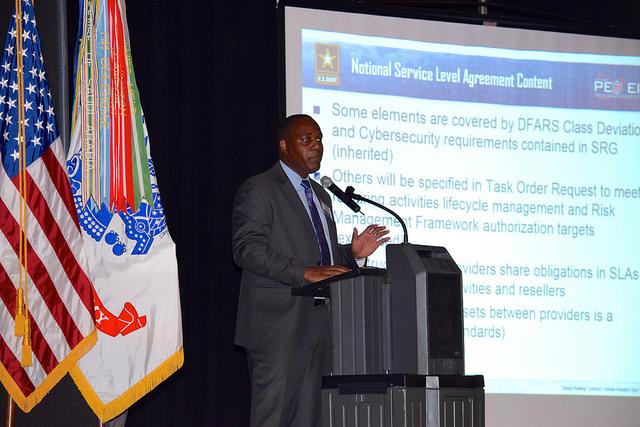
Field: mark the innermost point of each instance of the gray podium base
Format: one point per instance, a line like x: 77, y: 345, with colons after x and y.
x: 397, y: 400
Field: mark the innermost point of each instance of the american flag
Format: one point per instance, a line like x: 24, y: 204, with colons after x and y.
x: 58, y: 293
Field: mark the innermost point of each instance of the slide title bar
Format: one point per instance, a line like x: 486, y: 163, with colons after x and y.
x: 383, y: 70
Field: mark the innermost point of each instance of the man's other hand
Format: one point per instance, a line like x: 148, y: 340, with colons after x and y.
x: 365, y: 243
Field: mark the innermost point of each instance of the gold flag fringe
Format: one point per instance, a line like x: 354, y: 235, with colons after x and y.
x: 107, y: 411
x: 27, y: 403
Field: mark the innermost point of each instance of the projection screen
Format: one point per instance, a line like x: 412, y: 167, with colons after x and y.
x: 517, y: 150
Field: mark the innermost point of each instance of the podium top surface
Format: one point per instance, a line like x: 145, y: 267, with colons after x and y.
x: 347, y: 382
x: 323, y: 287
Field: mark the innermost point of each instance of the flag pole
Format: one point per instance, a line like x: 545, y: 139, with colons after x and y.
x: 10, y: 407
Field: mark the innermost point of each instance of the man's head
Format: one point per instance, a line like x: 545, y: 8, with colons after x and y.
x: 300, y: 144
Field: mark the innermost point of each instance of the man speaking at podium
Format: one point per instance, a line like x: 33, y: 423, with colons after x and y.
x: 284, y: 236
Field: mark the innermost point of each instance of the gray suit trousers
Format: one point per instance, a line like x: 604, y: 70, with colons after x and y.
x: 286, y: 385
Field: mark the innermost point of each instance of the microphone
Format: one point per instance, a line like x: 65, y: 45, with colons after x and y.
x: 344, y: 198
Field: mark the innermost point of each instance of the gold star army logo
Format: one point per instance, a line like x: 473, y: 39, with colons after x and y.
x: 327, y: 64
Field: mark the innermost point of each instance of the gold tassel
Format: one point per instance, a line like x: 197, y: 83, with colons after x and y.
x: 26, y: 354
x: 21, y: 318
x: 26, y: 349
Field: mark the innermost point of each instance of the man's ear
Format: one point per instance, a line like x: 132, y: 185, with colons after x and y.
x: 282, y: 147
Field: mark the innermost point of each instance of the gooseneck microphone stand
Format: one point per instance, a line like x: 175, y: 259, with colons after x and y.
x: 350, y: 192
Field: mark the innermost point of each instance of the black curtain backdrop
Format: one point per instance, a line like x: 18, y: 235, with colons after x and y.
x: 208, y: 74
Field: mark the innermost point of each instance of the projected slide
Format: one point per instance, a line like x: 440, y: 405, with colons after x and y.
x: 525, y: 164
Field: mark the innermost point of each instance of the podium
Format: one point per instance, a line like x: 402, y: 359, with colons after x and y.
x: 398, y: 344
x: 360, y: 322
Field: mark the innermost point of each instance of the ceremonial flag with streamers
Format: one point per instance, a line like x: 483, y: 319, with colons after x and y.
x: 132, y: 256
x: 46, y: 303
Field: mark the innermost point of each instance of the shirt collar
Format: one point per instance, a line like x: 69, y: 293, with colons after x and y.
x: 292, y: 175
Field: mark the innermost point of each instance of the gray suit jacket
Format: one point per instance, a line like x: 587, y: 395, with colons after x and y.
x: 273, y: 242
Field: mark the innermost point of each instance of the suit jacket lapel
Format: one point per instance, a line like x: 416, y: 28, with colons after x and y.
x: 298, y: 209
